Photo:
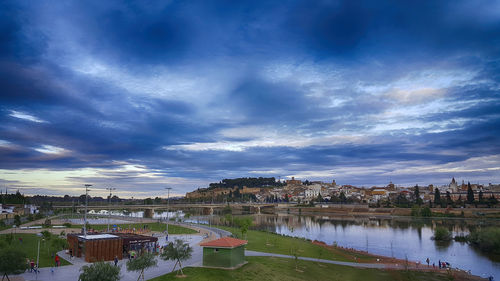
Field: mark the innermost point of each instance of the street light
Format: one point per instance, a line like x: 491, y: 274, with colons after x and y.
x: 168, y: 206
x: 86, y: 203
x: 109, y: 203
x: 38, y: 254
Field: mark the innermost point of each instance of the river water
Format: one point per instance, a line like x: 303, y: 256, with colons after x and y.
x: 396, y: 237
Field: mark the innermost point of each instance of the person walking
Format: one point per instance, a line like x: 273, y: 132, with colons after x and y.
x: 439, y: 263
x: 56, y: 260
x: 428, y: 262
x: 32, y: 265
x: 116, y: 260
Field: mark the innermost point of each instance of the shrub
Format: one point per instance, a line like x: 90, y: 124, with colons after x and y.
x: 426, y: 212
x: 442, y: 234
x: 99, y: 271
x: 487, y: 239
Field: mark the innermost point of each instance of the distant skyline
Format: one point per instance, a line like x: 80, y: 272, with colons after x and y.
x: 141, y: 96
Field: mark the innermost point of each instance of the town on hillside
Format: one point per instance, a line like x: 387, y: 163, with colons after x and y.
x: 293, y: 190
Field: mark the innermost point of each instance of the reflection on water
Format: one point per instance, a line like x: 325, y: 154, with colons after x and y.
x: 397, y: 237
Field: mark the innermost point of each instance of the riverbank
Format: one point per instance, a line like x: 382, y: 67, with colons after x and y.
x: 363, y: 210
x: 273, y: 268
x: 270, y: 242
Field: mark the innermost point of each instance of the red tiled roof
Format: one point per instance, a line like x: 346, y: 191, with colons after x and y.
x: 225, y: 242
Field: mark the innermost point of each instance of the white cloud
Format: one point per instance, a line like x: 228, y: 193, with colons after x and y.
x: 50, y: 149
x: 26, y: 116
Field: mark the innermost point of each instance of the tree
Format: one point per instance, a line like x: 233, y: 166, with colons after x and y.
x: 17, y: 220
x: 319, y: 198
x: 442, y: 234
x: 99, y: 271
x: 480, y: 196
x: 418, y: 200
x: 244, y: 224
x: 426, y: 212
x: 342, y: 197
x: 470, y: 194
x: 437, y: 197
x: 12, y: 261
x: 59, y: 244
x: 492, y: 200
x: 142, y: 263
x: 449, y: 201
x: 177, y: 251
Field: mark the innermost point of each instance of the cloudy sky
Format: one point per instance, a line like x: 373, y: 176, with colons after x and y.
x: 140, y: 96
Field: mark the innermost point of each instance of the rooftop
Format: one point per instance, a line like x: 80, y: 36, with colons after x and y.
x: 224, y: 242
x: 97, y: 236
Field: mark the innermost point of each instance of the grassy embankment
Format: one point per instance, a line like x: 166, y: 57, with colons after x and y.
x: 29, y: 246
x: 274, y: 243
x: 269, y: 268
x: 154, y: 226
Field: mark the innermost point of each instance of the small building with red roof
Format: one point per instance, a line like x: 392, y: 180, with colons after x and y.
x: 226, y: 252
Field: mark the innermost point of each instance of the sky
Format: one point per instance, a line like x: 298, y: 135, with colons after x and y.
x: 145, y: 95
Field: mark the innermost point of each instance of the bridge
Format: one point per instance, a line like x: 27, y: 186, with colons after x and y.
x: 149, y: 210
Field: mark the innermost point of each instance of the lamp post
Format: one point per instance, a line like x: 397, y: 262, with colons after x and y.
x: 85, y: 215
x: 168, y: 206
x: 38, y: 254
x: 109, y: 203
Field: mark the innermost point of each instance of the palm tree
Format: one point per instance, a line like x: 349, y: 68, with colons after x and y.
x: 178, y: 251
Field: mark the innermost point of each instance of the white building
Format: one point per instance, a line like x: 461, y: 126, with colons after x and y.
x: 312, y: 191
x: 6, y: 210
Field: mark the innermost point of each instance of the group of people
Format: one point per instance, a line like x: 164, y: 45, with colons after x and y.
x: 441, y: 264
x: 33, y: 267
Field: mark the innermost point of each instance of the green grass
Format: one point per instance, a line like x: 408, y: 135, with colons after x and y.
x: 3, y: 227
x: 30, y: 246
x: 154, y: 226
x: 274, y: 243
x: 268, y: 268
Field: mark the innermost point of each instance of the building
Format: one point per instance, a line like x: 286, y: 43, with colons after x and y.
x: 453, y: 185
x: 293, y: 181
x: 225, y: 252
x: 312, y: 191
x: 250, y: 190
x: 105, y: 247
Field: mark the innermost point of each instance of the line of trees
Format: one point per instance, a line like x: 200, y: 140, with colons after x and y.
x: 470, y: 199
x: 248, y: 182
x: 14, y: 198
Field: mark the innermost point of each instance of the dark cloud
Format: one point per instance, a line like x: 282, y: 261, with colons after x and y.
x: 294, y: 70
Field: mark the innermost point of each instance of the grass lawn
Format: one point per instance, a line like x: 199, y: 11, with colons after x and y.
x: 274, y: 243
x: 154, y: 226
x: 3, y: 227
x: 269, y: 268
x: 30, y: 246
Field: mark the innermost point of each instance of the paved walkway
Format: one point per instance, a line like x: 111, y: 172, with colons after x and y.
x: 353, y: 264
x: 71, y: 272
